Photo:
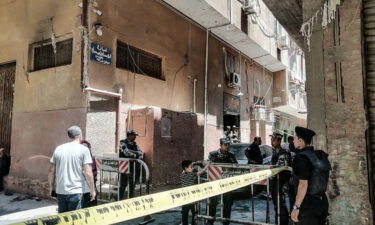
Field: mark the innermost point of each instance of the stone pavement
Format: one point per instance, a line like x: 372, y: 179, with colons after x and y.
x: 28, y: 207
x: 19, y: 207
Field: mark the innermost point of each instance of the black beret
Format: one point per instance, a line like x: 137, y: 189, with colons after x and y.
x: 224, y: 141
x: 304, y: 133
x: 277, y: 135
x: 131, y: 132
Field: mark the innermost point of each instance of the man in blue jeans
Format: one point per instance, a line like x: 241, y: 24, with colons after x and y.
x: 71, y: 171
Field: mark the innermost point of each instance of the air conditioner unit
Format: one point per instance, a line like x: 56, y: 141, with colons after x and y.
x: 234, y: 80
x: 250, y: 7
x: 283, y: 42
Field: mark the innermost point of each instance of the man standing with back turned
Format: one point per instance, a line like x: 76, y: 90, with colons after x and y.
x: 70, y: 167
x: 311, y: 170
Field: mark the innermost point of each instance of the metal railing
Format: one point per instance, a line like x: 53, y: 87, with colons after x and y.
x: 218, y: 171
x: 121, y: 177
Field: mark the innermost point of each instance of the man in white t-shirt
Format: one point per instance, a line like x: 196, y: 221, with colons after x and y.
x: 71, y: 170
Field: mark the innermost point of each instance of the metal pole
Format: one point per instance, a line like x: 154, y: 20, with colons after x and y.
x: 134, y: 172
x: 100, y: 183
x: 268, y: 202
x: 222, y: 206
x: 278, y: 199
x: 118, y: 186
x: 140, y: 179
x: 252, y: 202
x: 110, y: 180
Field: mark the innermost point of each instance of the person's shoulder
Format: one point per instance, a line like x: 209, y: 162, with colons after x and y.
x: 213, y: 153
x: 231, y: 154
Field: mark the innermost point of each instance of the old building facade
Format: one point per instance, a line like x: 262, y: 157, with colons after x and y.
x: 113, y: 65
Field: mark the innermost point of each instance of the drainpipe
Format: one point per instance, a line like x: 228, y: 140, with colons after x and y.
x: 117, y: 96
x: 84, y: 44
x: 194, y: 94
x: 205, y: 91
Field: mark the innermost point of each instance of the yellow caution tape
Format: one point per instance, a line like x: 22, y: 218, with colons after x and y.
x: 149, y: 204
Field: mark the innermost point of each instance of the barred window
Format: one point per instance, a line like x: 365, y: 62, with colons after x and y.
x: 44, y: 57
x: 138, y: 61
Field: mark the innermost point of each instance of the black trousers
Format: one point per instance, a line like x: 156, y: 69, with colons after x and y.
x: 227, y: 207
x: 124, y: 179
x: 185, y: 213
x: 1, y: 183
x: 275, y: 190
x: 314, y: 210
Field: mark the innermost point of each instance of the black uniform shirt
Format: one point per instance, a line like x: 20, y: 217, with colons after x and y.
x: 302, y: 166
x: 218, y: 157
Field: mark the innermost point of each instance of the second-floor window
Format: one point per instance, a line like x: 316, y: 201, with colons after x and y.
x: 45, y: 57
x: 138, y: 61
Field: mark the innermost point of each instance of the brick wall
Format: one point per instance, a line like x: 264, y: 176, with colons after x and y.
x: 346, y: 121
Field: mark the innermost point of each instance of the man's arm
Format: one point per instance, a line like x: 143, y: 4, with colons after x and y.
x: 87, y: 171
x: 51, y: 177
x: 204, y: 169
x: 301, y: 193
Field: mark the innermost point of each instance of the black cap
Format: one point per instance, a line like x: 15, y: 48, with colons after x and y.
x: 131, y: 132
x: 305, y: 134
x: 224, y: 141
x: 277, y: 135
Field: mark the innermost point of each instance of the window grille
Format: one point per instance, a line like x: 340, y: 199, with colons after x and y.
x: 138, y: 61
x: 44, y: 57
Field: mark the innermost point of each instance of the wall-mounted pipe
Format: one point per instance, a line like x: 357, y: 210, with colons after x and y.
x: 206, y: 91
x: 118, y: 96
x: 194, y: 94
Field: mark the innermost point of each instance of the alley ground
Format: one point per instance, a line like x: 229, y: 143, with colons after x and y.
x: 19, y: 207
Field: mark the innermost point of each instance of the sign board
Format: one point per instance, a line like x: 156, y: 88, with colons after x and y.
x: 100, y: 54
x: 110, y: 165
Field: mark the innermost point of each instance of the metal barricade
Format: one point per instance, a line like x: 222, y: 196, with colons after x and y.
x: 121, y: 177
x: 218, y: 171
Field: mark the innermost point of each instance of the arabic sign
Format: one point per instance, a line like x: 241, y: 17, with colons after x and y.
x: 101, y: 54
x: 110, y: 165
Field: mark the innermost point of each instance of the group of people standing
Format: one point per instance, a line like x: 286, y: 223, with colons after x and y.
x: 307, y: 184
x: 73, y: 173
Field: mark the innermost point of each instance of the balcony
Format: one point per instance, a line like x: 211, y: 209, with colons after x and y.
x: 223, y: 19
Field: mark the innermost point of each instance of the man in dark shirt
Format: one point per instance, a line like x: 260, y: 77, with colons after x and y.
x: 311, y: 204
x: 222, y: 155
x: 4, y: 166
x: 253, y: 154
x: 129, y: 149
x: 280, y: 157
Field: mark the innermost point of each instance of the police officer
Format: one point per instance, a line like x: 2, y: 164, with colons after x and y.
x: 222, y: 155
x: 253, y: 153
x: 311, y: 172
x: 280, y: 157
x: 129, y: 149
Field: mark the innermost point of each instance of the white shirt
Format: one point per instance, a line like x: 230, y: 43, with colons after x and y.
x: 69, y: 159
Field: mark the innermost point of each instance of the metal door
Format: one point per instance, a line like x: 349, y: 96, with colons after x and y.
x: 7, y: 79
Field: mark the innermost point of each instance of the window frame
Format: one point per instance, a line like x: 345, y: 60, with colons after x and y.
x: 136, y: 68
x: 38, y: 44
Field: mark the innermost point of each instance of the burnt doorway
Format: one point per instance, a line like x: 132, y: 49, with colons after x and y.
x: 7, y: 79
x: 231, y: 120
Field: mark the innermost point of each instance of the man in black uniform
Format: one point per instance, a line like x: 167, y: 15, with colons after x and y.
x: 222, y: 155
x: 129, y: 149
x: 311, y: 172
x: 280, y: 157
x: 253, y: 154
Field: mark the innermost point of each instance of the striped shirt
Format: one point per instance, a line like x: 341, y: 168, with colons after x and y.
x: 188, y: 179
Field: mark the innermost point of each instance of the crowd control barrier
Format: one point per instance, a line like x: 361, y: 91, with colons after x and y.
x: 132, y: 208
x: 114, y: 172
x: 218, y: 171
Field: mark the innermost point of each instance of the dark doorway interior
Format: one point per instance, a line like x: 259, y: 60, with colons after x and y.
x: 7, y: 79
x: 232, y: 125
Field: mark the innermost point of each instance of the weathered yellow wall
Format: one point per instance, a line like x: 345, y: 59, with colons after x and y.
x: 46, y: 102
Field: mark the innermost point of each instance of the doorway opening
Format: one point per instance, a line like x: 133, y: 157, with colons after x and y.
x: 7, y: 79
x: 232, y: 127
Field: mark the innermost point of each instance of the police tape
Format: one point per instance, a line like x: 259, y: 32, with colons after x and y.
x: 133, y: 208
